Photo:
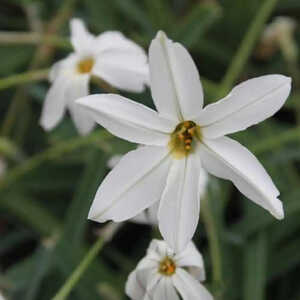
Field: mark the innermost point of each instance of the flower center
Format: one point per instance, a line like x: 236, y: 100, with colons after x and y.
x: 183, y: 138
x: 167, y: 267
x: 85, y: 65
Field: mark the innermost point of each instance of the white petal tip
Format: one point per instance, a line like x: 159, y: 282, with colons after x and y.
x: 278, y: 211
x: 93, y: 216
x: 287, y: 79
x: 46, y: 125
x: 161, y: 35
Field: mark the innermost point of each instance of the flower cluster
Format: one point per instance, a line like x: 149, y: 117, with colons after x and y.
x: 162, y: 181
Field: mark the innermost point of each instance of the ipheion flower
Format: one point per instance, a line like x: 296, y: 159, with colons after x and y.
x: 162, y: 274
x: 180, y: 139
x: 109, y: 56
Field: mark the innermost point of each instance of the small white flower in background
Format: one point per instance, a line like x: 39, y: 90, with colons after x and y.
x: 110, y: 56
x: 1, y: 297
x: 164, y: 275
x: 279, y: 34
x: 278, y: 28
x: 180, y: 139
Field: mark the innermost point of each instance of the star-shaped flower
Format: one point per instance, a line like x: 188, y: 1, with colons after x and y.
x: 181, y: 138
x: 110, y: 56
x: 162, y: 274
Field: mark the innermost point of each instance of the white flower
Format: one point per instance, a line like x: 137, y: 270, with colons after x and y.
x: 278, y: 28
x: 181, y: 138
x: 279, y: 34
x: 164, y: 275
x: 110, y: 56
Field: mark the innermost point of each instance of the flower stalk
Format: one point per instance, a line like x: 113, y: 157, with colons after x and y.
x: 27, y: 77
x: 106, y: 235
x: 214, y: 246
x: 33, y: 38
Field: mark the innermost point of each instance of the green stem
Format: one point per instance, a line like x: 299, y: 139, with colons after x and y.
x: 76, y: 275
x: 33, y: 38
x: 214, y: 245
x: 45, y: 52
x: 14, y: 174
x: 26, y: 77
x: 246, y: 46
x: 106, y: 235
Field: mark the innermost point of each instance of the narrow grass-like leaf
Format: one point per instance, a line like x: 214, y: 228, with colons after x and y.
x: 255, y: 268
x: 76, y: 218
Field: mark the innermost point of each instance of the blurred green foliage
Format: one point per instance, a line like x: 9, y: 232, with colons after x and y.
x: 51, y: 177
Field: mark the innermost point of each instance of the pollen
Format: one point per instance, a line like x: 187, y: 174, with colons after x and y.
x: 85, y: 65
x: 183, y: 139
x: 167, y: 267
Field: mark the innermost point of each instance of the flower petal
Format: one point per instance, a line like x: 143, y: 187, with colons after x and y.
x: 247, y: 104
x: 161, y: 249
x: 78, y: 87
x: 126, y: 70
x: 203, y: 182
x: 55, y: 104
x: 192, y: 258
x: 115, y: 40
x: 165, y: 290
x: 136, y: 183
x: 175, y: 84
x: 135, y: 289
x: 226, y: 158
x: 148, y: 216
x: 66, y: 67
x: 81, y: 39
x: 180, y: 205
x: 128, y: 120
x: 189, y: 288
x: 150, y: 261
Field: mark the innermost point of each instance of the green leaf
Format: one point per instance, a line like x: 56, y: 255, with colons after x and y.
x: 286, y: 258
x: 14, y: 58
x: 76, y: 218
x: 255, y: 268
x: 31, y: 213
x: 42, y: 265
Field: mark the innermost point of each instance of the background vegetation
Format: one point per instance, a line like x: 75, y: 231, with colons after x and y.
x: 51, y: 178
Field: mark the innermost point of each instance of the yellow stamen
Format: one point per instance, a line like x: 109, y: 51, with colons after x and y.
x: 167, y: 267
x: 85, y: 65
x: 183, y: 139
